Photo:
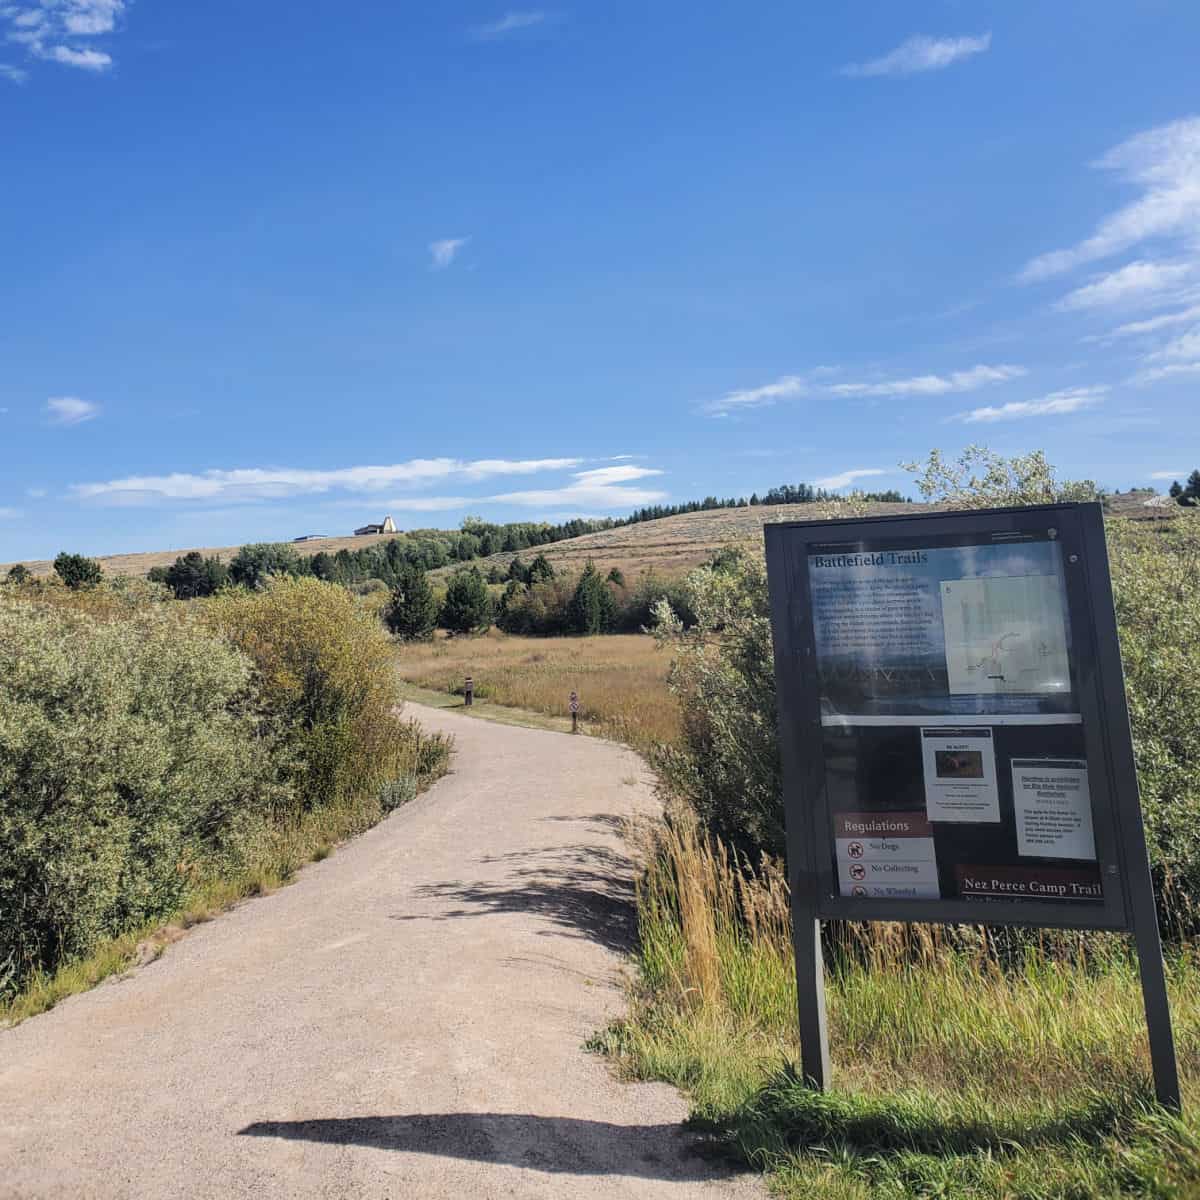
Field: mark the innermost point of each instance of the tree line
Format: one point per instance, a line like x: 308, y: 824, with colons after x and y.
x: 536, y: 601
x: 194, y: 575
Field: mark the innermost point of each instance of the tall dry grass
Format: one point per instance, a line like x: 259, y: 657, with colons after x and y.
x: 962, y: 1049
x: 620, y: 678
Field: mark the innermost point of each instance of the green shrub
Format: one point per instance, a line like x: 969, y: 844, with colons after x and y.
x: 978, y: 478
x: 253, y: 565
x: 325, y: 673
x: 133, y: 759
x: 18, y: 574
x: 727, y: 763
x: 539, y: 610
x: 1156, y: 585
x: 637, y: 607
x: 76, y: 571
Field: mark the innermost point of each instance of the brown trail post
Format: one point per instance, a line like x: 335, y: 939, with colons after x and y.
x: 574, y: 712
x: 469, y: 692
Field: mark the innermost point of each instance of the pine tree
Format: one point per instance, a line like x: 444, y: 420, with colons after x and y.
x: 592, y: 608
x: 1192, y: 488
x: 540, y: 570
x: 412, y: 613
x: 192, y: 575
x: 1176, y: 491
x: 468, y: 604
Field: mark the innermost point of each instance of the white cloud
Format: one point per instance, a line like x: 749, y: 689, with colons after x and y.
x: 89, y: 60
x: 87, y: 17
x: 258, y: 483
x: 816, y: 383
x: 509, y: 23
x: 35, y: 493
x: 1164, y: 163
x: 599, y: 490
x: 1171, y: 371
x: 47, y: 28
x: 1055, y: 404
x: 9, y: 514
x: 1180, y: 349
x: 1136, y: 281
x: 70, y: 410
x: 1178, y: 356
x: 443, y: 252
x: 846, y: 478
x: 428, y: 504
x: 932, y: 385
x: 920, y: 53
x: 789, y: 385
x: 1153, y: 324
x: 1167, y: 474
x: 13, y: 74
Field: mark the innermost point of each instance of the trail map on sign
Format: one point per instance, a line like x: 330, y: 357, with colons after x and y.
x: 1005, y: 635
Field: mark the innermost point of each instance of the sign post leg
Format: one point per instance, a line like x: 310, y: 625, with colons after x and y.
x: 810, y: 997
x: 1158, y: 1012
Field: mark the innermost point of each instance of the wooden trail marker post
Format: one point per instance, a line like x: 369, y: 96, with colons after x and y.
x: 468, y: 692
x: 574, y: 703
x: 955, y: 739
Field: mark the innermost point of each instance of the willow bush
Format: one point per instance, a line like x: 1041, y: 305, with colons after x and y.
x: 326, y: 674
x: 149, y: 748
x: 134, y: 759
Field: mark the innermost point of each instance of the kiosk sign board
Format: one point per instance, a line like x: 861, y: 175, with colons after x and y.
x: 952, y: 723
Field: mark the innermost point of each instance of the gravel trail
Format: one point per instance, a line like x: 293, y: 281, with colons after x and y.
x: 405, y: 1020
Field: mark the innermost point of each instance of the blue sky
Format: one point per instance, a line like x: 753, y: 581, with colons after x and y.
x: 277, y: 269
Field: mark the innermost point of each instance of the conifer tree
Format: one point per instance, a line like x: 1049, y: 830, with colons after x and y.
x: 412, y: 613
x: 468, y: 605
x: 592, y: 607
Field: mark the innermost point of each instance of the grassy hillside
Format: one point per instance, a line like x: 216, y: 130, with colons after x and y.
x: 669, y: 546
x: 674, y: 545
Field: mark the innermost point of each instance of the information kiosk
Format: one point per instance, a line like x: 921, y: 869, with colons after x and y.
x: 954, y: 736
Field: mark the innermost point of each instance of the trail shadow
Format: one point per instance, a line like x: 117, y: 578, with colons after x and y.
x: 560, y: 1145
x: 607, y: 821
x: 584, y: 891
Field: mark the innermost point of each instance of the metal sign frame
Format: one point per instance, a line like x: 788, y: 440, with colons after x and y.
x: 1098, y: 681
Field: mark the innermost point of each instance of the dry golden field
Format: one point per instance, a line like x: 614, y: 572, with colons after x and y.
x: 620, y: 678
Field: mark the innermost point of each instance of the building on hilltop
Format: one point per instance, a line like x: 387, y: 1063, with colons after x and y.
x: 387, y: 526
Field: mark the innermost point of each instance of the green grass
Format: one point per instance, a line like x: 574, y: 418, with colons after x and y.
x: 953, y: 1076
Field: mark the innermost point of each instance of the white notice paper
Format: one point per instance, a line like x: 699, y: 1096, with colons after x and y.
x: 1053, y: 808
x: 960, y: 775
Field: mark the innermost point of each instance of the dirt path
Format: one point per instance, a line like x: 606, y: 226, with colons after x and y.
x: 406, y: 1020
